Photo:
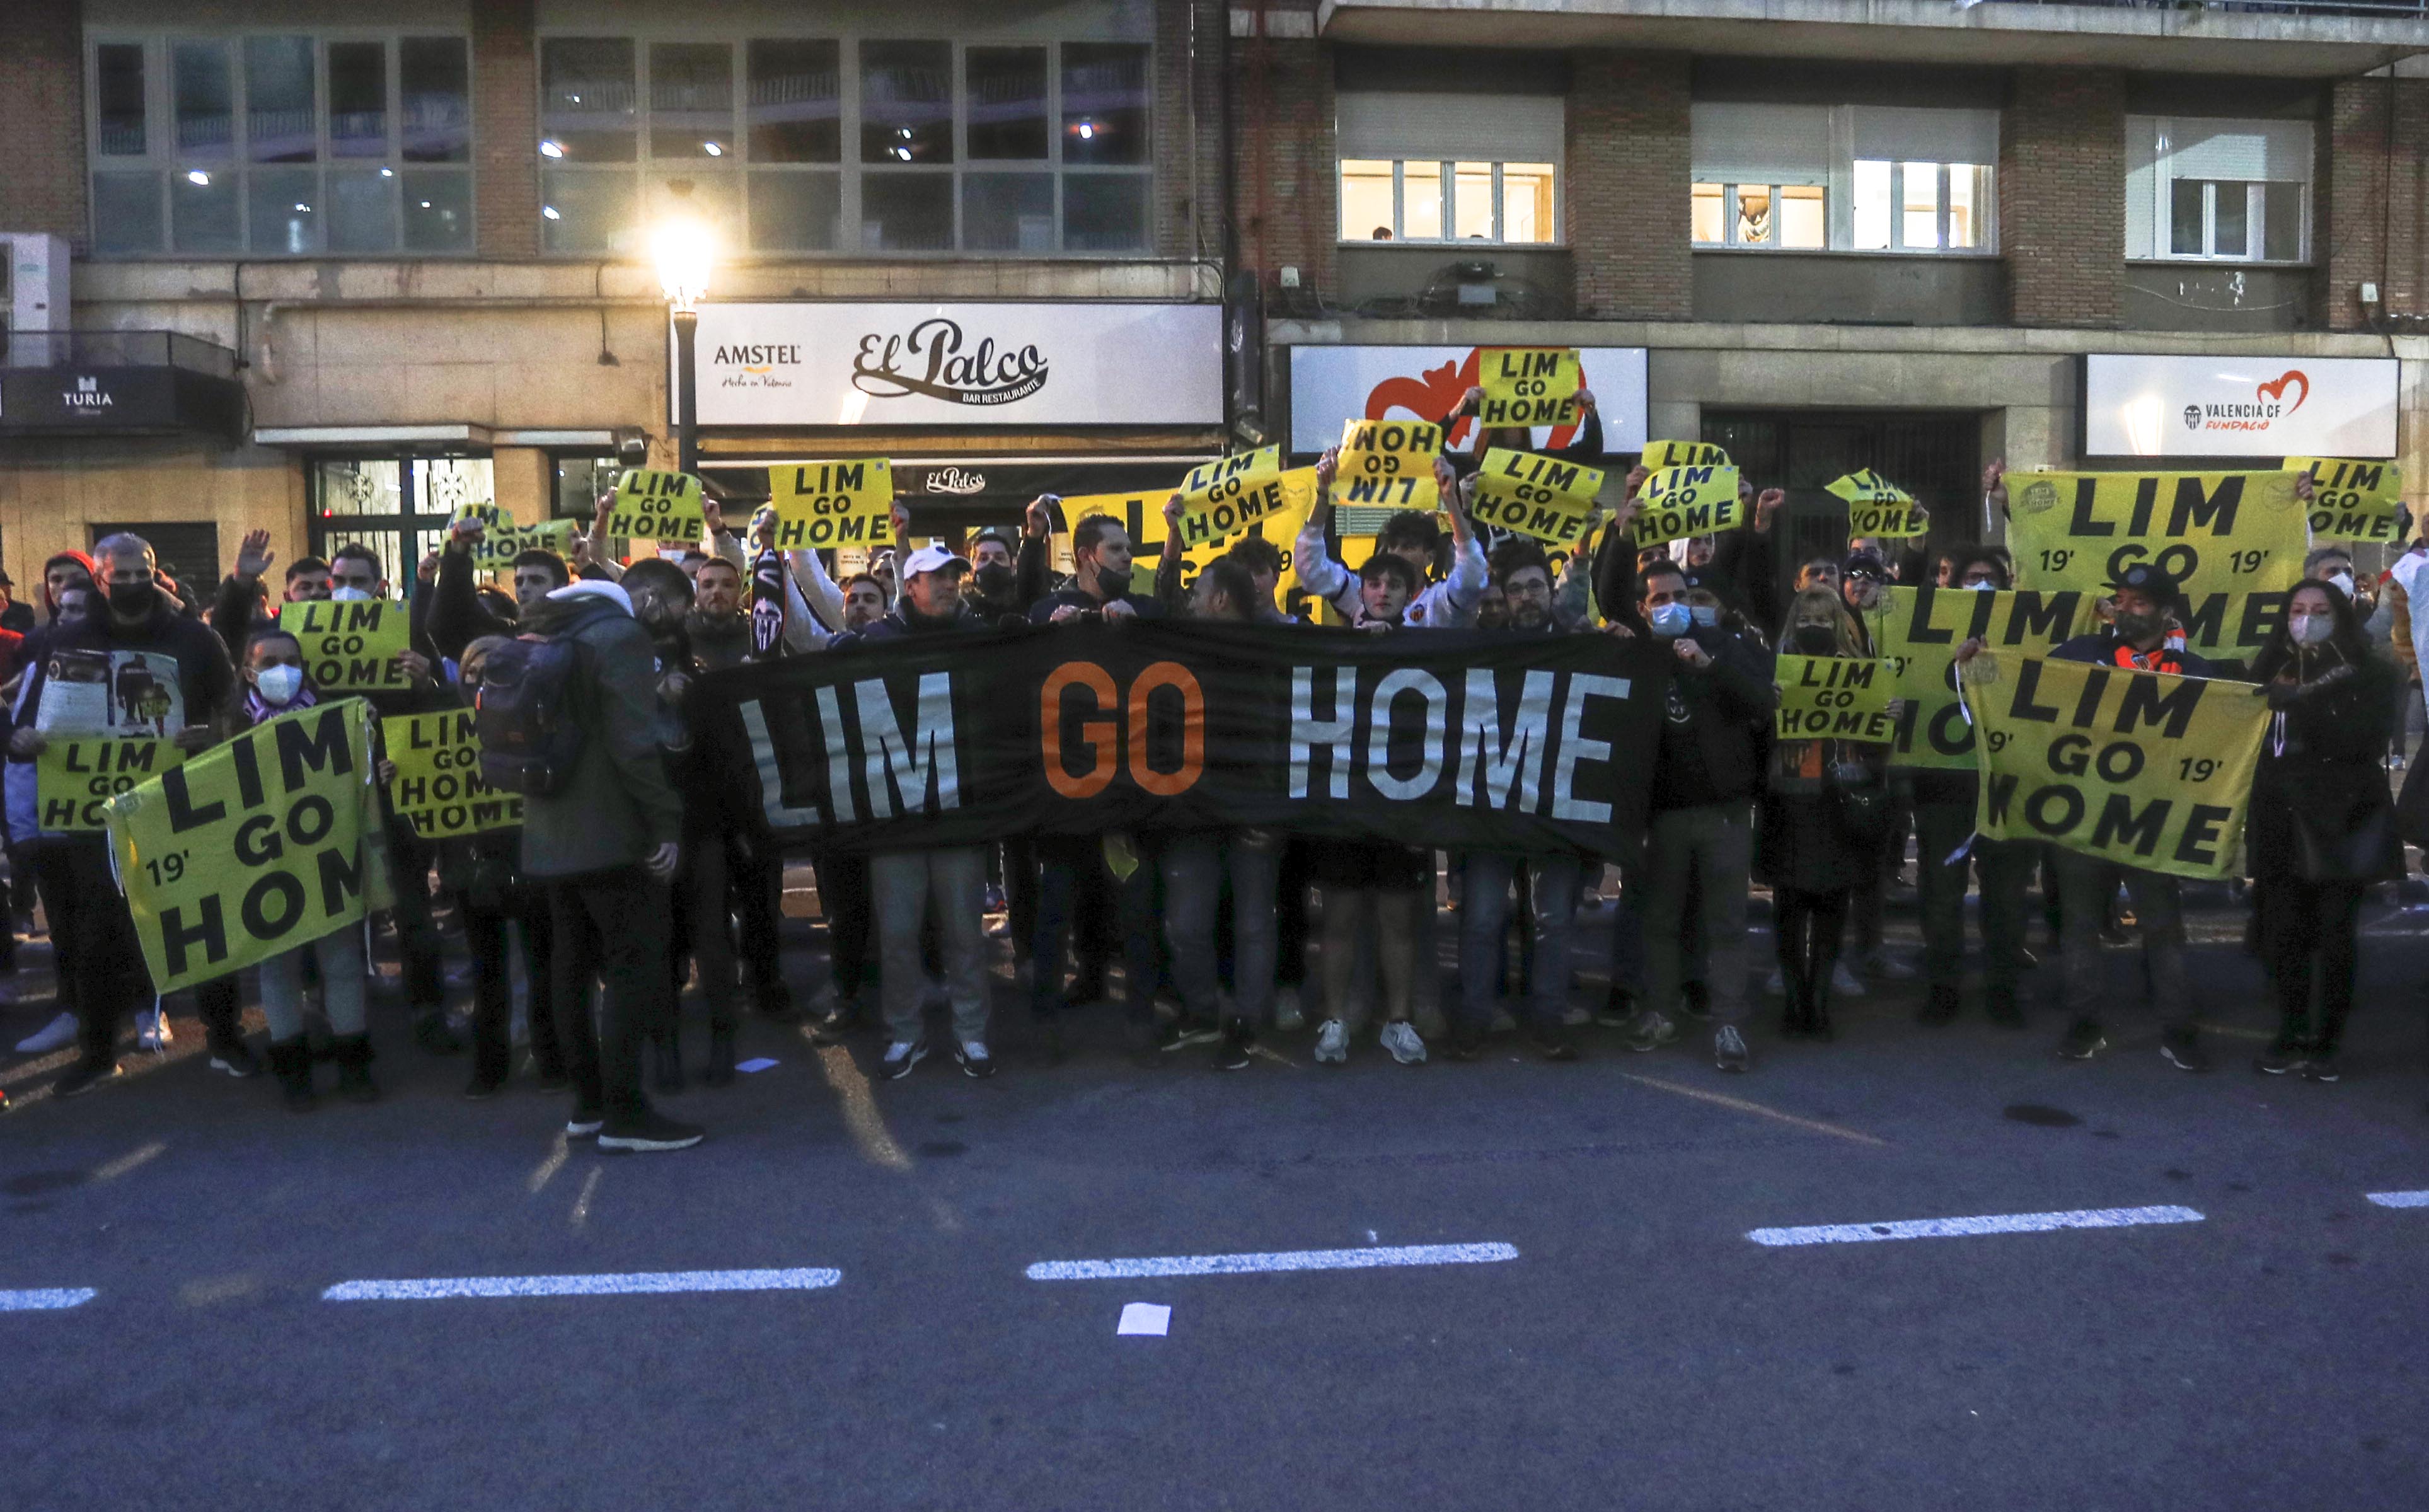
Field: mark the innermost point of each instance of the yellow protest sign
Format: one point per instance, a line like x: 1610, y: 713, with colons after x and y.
x: 832, y: 504
x: 1538, y: 496
x: 657, y: 506
x: 2352, y: 500
x: 1832, y: 698
x: 1221, y: 499
x: 1526, y: 385
x: 76, y: 777
x: 350, y: 647
x: 1142, y: 516
x: 1661, y: 455
x: 252, y: 848
x: 2235, y: 541
x: 438, y: 784
x: 2139, y: 767
x: 1916, y: 631
x: 501, y: 539
x: 1876, y: 506
x: 1389, y: 464
x: 1696, y: 500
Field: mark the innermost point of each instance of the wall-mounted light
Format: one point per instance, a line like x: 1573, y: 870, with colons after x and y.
x: 196, y: 175
x: 552, y: 148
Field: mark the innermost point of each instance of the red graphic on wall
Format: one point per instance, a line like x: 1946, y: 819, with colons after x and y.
x: 2278, y: 391
x: 1437, y: 392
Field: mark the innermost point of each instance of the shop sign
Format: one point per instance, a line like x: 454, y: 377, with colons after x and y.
x: 1074, y: 363
x: 1331, y: 384
x: 2239, y: 407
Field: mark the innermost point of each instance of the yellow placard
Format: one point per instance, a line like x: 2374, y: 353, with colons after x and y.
x: 1142, y: 516
x: 503, y: 541
x: 1833, y: 698
x: 832, y: 504
x: 1527, y: 385
x: 1917, y: 631
x: 252, y: 848
x: 1221, y: 499
x: 2235, y: 542
x: 1700, y: 499
x: 652, y: 504
x: 2139, y: 767
x: 438, y: 784
x: 1534, y: 495
x: 76, y: 777
x: 1661, y: 455
x: 2353, y: 500
x: 1876, y: 506
x: 1389, y: 464
x: 349, y: 648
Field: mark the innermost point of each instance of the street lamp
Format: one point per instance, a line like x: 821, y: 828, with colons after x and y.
x: 684, y: 251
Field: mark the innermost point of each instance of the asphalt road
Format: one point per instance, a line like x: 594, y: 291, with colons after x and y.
x: 1631, y: 1346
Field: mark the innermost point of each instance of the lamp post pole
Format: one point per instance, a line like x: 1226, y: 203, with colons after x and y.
x: 686, y: 391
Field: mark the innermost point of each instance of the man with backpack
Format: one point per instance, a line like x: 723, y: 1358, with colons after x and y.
x: 568, y: 718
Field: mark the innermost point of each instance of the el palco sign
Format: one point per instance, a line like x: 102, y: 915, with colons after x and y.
x: 1071, y: 363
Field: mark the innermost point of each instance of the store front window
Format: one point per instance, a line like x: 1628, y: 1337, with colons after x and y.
x: 399, y: 508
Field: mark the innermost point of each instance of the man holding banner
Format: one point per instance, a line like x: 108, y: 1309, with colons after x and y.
x: 1412, y: 537
x: 141, y: 669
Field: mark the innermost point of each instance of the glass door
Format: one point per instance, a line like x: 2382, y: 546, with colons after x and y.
x: 399, y: 508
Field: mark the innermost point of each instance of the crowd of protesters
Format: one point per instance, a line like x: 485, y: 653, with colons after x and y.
x: 644, y: 870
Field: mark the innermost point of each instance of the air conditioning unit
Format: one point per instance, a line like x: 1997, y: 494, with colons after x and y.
x: 33, y: 292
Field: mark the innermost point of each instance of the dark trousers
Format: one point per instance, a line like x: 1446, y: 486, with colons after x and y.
x: 1067, y: 865
x: 2004, y: 867
x: 757, y: 875
x: 2311, y: 932
x: 93, y: 937
x: 703, y: 927
x: 1810, y: 926
x: 1020, y: 892
x: 493, y: 993
x: 843, y: 900
x: 1291, y: 924
x: 610, y: 927
x: 416, y: 932
x: 218, y: 1004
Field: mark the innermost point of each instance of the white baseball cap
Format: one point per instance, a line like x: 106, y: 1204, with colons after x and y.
x: 932, y: 560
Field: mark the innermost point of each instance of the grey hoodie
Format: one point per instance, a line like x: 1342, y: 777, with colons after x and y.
x: 620, y: 807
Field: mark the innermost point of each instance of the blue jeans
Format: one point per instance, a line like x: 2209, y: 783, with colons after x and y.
x: 1484, y: 915
x: 1062, y: 858
x: 1194, y: 867
x: 340, y: 955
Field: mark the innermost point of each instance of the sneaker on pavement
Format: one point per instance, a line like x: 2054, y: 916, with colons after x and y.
x: 1650, y: 1031
x: 1846, y: 984
x: 900, y: 1056
x: 83, y: 1077
x: 1403, y: 1042
x: 2281, y: 1061
x: 57, y: 1035
x: 2321, y: 1068
x: 1729, y: 1050
x: 2182, y: 1048
x: 973, y: 1058
x: 1618, y: 1011
x: 1183, y: 1032
x: 652, y: 1131
x: 235, y: 1061
x: 2083, y: 1041
x: 1231, y: 1052
x: 1288, y: 1017
x: 1332, y: 1043
x: 584, y: 1125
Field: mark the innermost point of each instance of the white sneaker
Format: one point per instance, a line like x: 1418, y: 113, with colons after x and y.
x: 1332, y: 1042
x: 1887, y: 966
x: 1776, y: 984
x: 59, y: 1032
x: 1846, y: 983
x: 1403, y: 1042
x: 1288, y: 1017
x: 152, y: 1031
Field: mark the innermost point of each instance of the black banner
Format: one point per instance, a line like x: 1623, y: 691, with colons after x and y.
x: 1452, y: 740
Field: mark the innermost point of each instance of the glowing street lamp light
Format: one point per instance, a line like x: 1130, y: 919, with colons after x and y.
x: 685, y: 252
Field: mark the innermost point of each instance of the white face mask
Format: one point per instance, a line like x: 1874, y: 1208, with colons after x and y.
x: 278, y: 685
x: 1983, y: 587
x: 2311, y: 629
x: 2343, y: 582
x: 350, y: 594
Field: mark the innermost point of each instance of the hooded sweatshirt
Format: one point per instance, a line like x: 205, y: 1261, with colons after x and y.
x: 619, y: 807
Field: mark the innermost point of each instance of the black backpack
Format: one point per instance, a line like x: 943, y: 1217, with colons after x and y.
x: 529, y: 713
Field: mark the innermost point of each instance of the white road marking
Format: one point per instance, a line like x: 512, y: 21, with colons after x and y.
x: 634, y: 1284
x: 1231, y: 1265
x: 1945, y: 1228
x: 2399, y: 1199
x: 52, y: 1300
x: 580, y: 1214
x: 128, y: 1161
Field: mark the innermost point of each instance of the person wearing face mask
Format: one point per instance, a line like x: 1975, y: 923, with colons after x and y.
x: 1699, y: 841
x: 1861, y: 578
x: 2320, y: 828
x: 994, y: 588
x: 1823, y: 810
x: 2136, y: 640
x: 1944, y: 806
x: 456, y: 616
x: 275, y: 685
x: 92, y: 929
x: 70, y: 601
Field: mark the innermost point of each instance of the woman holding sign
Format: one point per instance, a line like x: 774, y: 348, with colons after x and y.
x: 1819, y: 834
x: 2321, y: 828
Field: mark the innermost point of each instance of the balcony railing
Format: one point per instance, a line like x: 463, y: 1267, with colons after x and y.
x: 115, y: 349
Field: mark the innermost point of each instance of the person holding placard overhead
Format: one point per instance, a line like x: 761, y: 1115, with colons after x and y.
x: 1411, y: 536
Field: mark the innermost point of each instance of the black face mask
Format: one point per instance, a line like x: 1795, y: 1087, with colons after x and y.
x: 131, y: 600
x: 995, y: 581
x: 1113, y: 585
x: 1816, y: 640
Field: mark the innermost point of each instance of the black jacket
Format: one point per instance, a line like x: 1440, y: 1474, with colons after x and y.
x: 2320, y: 764
x: 1716, y: 723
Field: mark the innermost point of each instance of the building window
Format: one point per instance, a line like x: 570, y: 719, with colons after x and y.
x: 286, y: 145
x: 1449, y: 168
x: 1038, y: 148
x: 1845, y: 178
x: 2218, y: 190
x: 399, y: 508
